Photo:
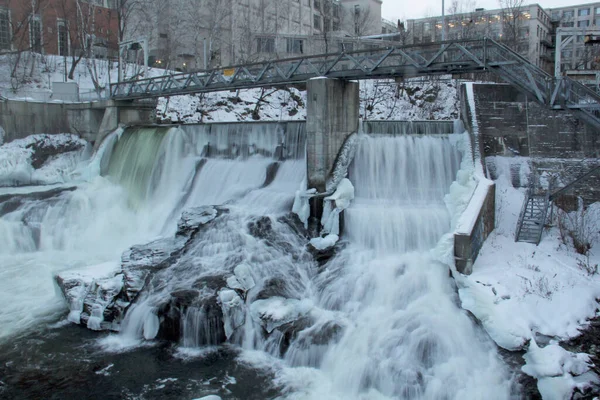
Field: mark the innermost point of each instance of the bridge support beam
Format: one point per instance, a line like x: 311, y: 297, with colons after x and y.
x: 332, y: 115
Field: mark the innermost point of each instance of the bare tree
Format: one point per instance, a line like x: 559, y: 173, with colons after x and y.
x: 512, y: 23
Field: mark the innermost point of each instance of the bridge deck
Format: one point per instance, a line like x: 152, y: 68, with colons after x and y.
x: 448, y: 57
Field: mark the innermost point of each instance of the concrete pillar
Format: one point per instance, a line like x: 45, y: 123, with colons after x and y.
x: 332, y: 115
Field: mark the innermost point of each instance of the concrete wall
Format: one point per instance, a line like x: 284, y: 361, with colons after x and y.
x: 472, y: 232
x: 332, y: 115
x: 510, y: 123
x: 22, y: 118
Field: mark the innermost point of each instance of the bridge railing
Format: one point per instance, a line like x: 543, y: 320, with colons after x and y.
x: 449, y: 57
x: 441, y: 57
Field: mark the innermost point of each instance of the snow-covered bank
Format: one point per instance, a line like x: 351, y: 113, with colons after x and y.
x: 528, y: 296
x: 415, y: 99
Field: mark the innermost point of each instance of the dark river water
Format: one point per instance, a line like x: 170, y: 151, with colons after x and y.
x: 66, y: 362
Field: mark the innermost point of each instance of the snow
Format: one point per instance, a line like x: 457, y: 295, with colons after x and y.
x: 417, y: 99
x: 324, y: 243
x: 520, y: 291
x: 276, y: 311
x: 50, y: 69
x: 467, y: 220
x: 211, y: 397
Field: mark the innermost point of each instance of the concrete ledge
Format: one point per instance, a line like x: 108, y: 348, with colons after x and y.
x: 474, y: 226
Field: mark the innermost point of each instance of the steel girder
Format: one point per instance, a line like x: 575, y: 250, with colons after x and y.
x: 449, y: 57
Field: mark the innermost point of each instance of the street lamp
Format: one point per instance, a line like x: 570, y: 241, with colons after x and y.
x: 443, y: 21
x: 134, y: 44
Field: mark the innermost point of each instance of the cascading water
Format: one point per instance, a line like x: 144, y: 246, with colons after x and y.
x: 379, y: 320
x: 132, y: 191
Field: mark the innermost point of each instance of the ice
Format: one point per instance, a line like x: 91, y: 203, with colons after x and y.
x: 242, y: 279
x: 233, y: 310
x: 301, y: 206
x: 555, y: 369
x: 343, y: 195
x: 325, y: 242
x: 210, y: 397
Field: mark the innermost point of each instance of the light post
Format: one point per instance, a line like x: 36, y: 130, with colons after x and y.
x: 443, y: 21
x: 133, y: 44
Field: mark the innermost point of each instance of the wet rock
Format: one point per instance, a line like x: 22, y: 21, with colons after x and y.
x: 100, y: 299
x: 193, y: 218
x: 140, y: 261
x: 322, y: 256
x: 274, y: 287
x: 214, y: 282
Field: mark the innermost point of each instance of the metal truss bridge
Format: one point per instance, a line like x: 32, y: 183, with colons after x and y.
x: 449, y: 57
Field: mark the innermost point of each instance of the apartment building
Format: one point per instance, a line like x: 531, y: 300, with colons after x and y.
x: 577, y: 21
x: 530, y: 34
x: 189, y: 34
x: 59, y: 26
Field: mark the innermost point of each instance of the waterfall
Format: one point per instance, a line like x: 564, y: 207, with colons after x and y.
x: 393, y: 327
x: 132, y: 191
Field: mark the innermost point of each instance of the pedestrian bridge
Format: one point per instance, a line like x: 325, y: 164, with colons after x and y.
x: 449, y: 57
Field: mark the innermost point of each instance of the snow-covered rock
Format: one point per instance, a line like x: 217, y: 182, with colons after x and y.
x: 557, y: 371
x: 40, y: 159
x: 277, y: 311
x: 325, y: 242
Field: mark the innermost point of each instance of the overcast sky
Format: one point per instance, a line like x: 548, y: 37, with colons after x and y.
x: 403, y: 9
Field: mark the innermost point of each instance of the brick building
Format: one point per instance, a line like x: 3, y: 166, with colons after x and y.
x: 60, y: 27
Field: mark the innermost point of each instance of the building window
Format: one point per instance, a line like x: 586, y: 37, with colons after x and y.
x: 295, y: 46
x: 567, y: 24
x: 555, y: 15
x: 336, y: 26
x: 584, y: 12
x: 317, y: 22
x: 346, y: 47
x: 265, y: 45
x: 568, y: 14
x: 63, y: 39
x: 597, y: 22
x: 4, y: 30
x: 336, y: 10
x: 583, y: 24
x: 35, y: 34
x: 317, y: 4
x: 427, y: 28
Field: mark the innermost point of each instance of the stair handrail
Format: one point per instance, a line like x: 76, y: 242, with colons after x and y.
x: 544, y: 216
x: 528, y: 195
x: 581, y: 177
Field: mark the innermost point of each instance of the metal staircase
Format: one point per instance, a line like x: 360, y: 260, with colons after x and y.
x: 532, y: 218
x: 535, y: 207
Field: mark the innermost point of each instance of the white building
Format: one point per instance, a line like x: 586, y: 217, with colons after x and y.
x: 580, y: 21
x: 530, y: 35
x: 190, y: 34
